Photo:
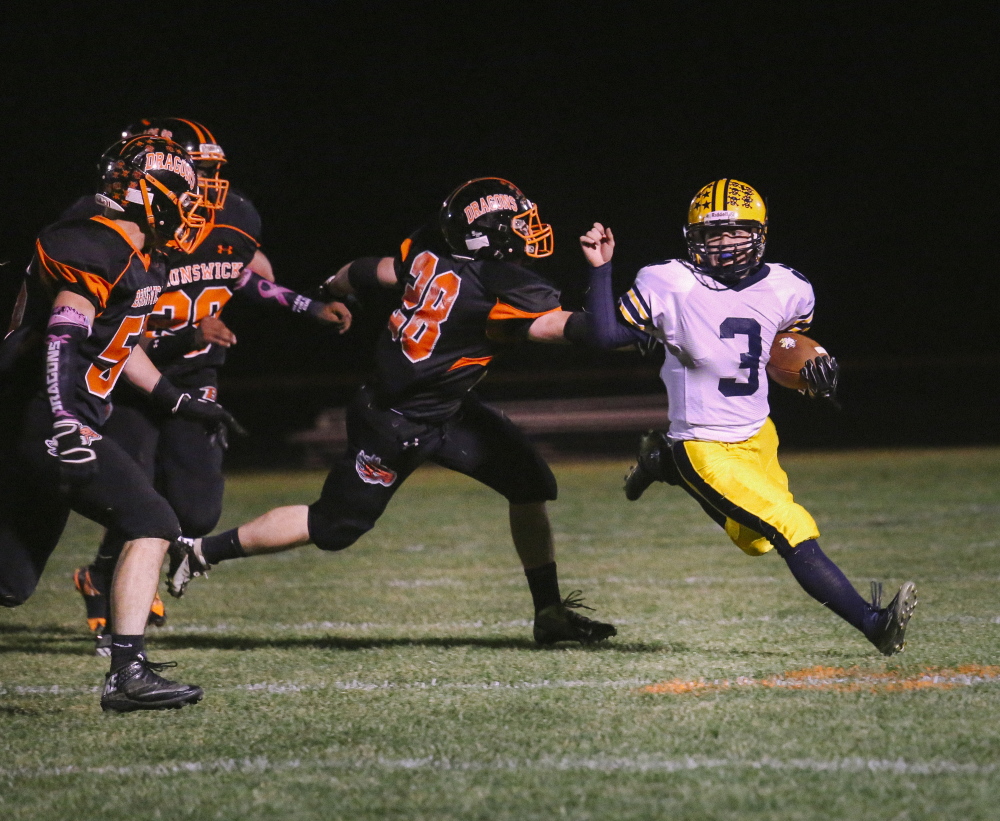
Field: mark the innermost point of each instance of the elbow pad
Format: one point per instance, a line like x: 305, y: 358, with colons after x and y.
x: 575, y: 330
x: 363, y: 274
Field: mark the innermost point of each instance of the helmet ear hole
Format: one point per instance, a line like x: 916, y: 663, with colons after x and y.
x: 490, y: 218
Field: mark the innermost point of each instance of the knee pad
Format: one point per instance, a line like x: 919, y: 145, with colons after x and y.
x: 330, y: 531
x: 538, y: 489
x: 11, y: 601
x: 747, y: 540
x: 198, y: 521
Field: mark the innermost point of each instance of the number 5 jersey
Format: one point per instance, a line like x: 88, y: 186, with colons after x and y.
x: 718, y: 341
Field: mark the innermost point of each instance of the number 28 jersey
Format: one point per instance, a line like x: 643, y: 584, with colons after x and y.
x: 718, y: 342
x: 435, y: 348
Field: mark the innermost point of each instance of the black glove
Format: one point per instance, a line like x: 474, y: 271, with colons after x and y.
x: 71, y: 444
x: 821, y: 375
x: 182, y: 404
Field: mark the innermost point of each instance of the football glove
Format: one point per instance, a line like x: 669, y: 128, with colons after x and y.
x: 72, y: 444
x: 184, y: 405
x: 821, y: 375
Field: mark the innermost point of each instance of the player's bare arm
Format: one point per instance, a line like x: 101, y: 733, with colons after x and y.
x: 68, y: 299
x: 140, y: 371
x: 261, y: 266
x: 549, y: 327
x: 340, y: 285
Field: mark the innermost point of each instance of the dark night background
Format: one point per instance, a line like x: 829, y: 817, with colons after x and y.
x: 865, y: 127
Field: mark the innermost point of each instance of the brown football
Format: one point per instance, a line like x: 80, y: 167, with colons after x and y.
x: 789, y: 354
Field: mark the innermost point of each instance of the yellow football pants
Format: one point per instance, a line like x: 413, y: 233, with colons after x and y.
x: 745, y: 483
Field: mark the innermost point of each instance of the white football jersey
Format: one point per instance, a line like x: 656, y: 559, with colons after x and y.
x: 718, y: 342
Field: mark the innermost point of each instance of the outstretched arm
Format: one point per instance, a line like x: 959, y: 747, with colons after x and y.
x: 361, y: 275
x: 262, y: 291
x: 599, y: 325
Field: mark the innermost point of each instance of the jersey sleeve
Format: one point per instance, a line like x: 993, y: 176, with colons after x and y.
x: 520, y: 293
x: 800, y: 306
x: 82, y: 257
x: 636, y: 305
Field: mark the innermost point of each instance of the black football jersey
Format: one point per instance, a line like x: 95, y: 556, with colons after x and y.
x: 200, y: 284
x: 95, y: 259
x: 435, y: 347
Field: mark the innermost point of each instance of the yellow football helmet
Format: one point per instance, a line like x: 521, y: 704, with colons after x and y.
x: 726, y: 207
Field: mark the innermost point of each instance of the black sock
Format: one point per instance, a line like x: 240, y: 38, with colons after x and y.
x: 125, y: 650
x: 224, y: 546
x: 103, y: 570
x: 543, y: 582
x: 825, y: 582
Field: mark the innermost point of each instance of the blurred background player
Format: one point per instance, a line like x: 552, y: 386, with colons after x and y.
x: 187, y: 341
x: 83, y: 306
x: 463, y: 287
x: 717, y: 314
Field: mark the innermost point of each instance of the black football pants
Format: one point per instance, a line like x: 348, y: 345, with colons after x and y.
x: 34, y: 509
x: 384, y: 448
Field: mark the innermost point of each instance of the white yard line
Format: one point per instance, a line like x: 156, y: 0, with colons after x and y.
x: 950, y: 678
x: 607, y: 764
x: 285, y: 687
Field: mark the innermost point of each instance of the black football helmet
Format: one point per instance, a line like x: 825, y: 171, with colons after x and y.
x: 152, y: 181
x: 489, y: 218
x: 200, y: 143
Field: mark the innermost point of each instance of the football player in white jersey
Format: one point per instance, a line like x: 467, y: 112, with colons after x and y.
x: 717, y: 314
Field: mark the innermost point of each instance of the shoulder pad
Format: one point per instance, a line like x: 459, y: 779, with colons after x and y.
x: 239, y: 212
x: 86, y: 244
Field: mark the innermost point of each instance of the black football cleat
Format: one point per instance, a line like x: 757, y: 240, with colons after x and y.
x: 651, y: 465
x: 137, y: 686
x: 186, y: 563
x: 891, y: 622
x: 560, y: 622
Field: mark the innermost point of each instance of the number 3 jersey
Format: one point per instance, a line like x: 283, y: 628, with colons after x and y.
x: 435, y: 347
x: 718, y: 341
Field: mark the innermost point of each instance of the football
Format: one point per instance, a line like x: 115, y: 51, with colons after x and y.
x: 789, y: 354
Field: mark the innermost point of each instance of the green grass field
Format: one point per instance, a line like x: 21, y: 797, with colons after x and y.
x: 398, y: 679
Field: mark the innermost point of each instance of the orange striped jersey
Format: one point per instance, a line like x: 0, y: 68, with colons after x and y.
x: 198, y: 285
x: 94, y: 258
x: 435, y: 347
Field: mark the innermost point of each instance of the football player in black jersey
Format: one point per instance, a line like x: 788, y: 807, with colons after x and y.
x: 462, y: 289
x: 84, y: 303
x: 188, y: 342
